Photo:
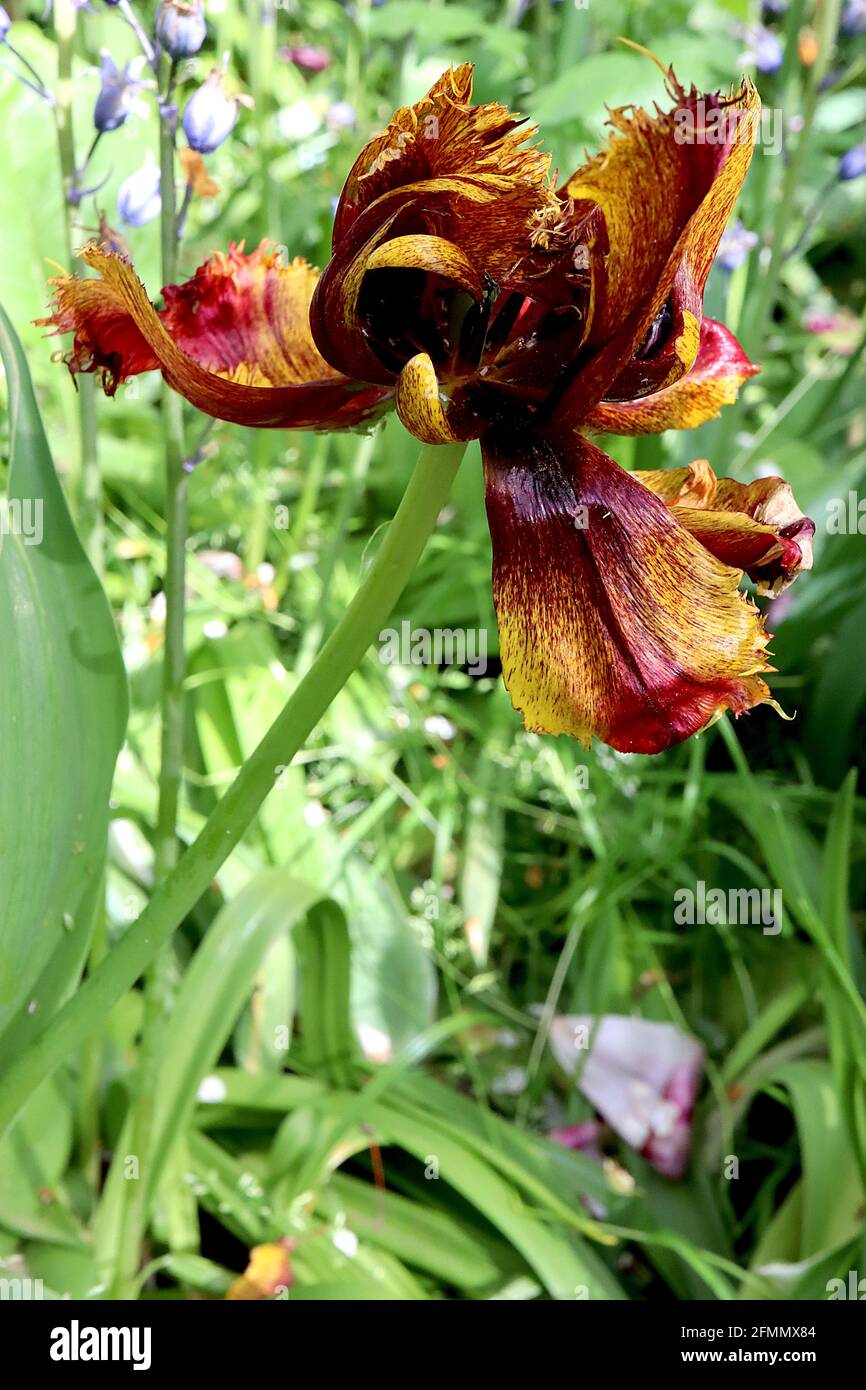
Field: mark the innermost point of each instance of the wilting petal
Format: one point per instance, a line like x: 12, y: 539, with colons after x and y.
x: 420, y: 404
x: 614, y: 621
x: 642, y: 1077
x: 235, y: 339
x: 756, y: 527
x: 478, y: 150
x: 719, y: 371
x: 666, y: 185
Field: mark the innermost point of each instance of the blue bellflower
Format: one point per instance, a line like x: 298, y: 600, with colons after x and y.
x: 181, y: 27
x: 138, y: 198
x: 209, y: 116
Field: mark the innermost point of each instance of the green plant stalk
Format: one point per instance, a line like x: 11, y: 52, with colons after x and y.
x: 173, y: 669
x: 132, y: 1215
x: 177, y: 894
x: 828, y: 23
x: 89, y: 499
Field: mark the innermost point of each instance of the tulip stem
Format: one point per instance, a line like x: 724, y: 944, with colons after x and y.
x: 177, y: 894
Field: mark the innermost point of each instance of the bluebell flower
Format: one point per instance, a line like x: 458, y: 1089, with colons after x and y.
x: 181, y: 27
x: 138, y: 198
x: 852, y: 165
x: 735, y: 246
x: 764, y: 49
x: 117, y: 91
x: 341, y: 115
x: 853, y: 19
x: 209, y: 116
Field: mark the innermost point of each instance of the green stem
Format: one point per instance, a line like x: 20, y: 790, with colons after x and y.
x: 177, y: 894
x: 132, y: 1213
x: 768, y: 285
x: 173, y: 667
x: 89, y: 500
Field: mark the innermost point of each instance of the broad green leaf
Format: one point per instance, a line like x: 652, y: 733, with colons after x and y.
x: 63, y: 706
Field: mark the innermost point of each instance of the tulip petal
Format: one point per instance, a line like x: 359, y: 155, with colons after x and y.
x: 666, y: 185
x: 756, y: 527
x: 419, y: 403
x: 719, y: 371
x: 234, y: 340
x: 485, y: 156
x: 614, y: 621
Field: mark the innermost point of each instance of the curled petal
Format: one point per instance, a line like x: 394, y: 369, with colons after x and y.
x: 420, y: 405
x: 656, y: 173
x: 432, y: 254
x: 666, y: 185
x: 478, y: 149
x: 234, y: 340
x: 757, y: 527
x: 614, y: 621
x: 719, y: 371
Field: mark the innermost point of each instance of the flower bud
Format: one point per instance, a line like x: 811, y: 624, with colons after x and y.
x: 853, y: 19
x: 209, y: 116
x: 5, y: 24
x: 181, y: 27
x: 116, y: 97
x: 138, y: 198
x: 307, y: 57
x: 853, y: 163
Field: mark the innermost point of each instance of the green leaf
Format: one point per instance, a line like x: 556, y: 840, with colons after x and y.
x: 324, y: 951
x: 63, y: 701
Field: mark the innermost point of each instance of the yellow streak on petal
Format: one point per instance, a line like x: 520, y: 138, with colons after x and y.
x: 419, y: 404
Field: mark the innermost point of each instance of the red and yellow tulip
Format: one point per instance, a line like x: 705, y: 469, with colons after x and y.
x: 469, y: 294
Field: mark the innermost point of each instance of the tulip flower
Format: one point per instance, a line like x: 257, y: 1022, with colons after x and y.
x: 477, y: 300
x: 641, y: 1077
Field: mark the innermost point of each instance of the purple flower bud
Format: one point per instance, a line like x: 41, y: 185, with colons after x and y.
x: 853, y: 163
x: 735, y: 246
x: 209, y: 116
x: 307, y: 57
x: 180, y: 27
x: 138, y: 200
x: 5, y: 24
x: 117, y: 91
x: 853, y: 19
